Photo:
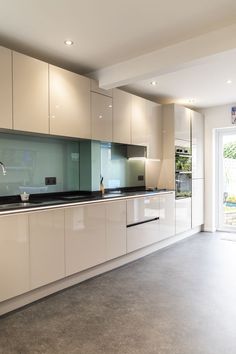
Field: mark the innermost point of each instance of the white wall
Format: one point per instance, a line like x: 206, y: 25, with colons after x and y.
x: 215, y: 118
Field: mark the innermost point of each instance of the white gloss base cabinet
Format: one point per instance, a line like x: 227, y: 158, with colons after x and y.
x: 197, y: 202
x: 183, y: 215
x: 85, y: 237
x: 94, y: 234
x: 69, y: 103
x: 145, y: 209
x: 5, y: 88
x: 115, y: 229
x: 47, y: 263
x: 14, y: 256
x: 167, y: 215
x: 142, y: 209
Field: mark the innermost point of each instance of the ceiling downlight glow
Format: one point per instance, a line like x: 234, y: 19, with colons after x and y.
x: 68, y: 42
x: 153, y: 83
x: 229, y: 82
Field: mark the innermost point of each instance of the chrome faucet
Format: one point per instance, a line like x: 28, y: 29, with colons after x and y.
x: 4, y: 171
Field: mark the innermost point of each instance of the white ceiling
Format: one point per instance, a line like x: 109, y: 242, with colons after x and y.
x: 106, y: 32
x: 202, y: 85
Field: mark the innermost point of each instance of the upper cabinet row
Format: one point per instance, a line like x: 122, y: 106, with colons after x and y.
x: 42, y: 98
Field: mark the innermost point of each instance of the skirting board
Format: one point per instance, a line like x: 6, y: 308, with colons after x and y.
x: 34, y: 295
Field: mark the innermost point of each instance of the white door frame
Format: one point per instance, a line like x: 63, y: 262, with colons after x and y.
x: 220, y: 226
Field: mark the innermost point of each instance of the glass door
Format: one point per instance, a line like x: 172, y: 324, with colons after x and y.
x: 227, y: 180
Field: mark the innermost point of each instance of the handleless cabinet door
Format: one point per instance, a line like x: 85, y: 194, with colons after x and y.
x: 183, y: 215
x: 122, y: 114
x: 69, y: 103
x: 142, y: 209
x: 46, y: 247
x: 197, y: 145
x: 5, y: 88
x: 182, y: 123
x: 197, y: 202
x: 85, y: 237
x: 139, y: 121
x: 14, y: 256
x: 167, y: 215
x: 30, y: 94
x: 154, y: 130
x: 115, y: 229
x: 101, y: 117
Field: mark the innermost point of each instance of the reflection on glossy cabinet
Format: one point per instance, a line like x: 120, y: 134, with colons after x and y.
x: 46, y: 247
x: 115, y: 229
x: 167, y: 215
x: 197, y: 202
x: 122, y: 114
x: 69, y: 103
x: 85, y: 237
x: 141, y: 209
x: 14, y: 256
x: 154, y: 130
x: 5, y: 88
x: 182, y: 215
x: 182, y: 123
x: 138, y: 121
x: 101, y: 117
x: 30, y: 94
x: 197, y: 145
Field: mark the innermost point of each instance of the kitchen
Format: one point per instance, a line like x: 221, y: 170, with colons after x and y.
x: 94, y: 176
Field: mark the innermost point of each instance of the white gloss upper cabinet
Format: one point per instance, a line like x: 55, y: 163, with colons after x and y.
x: 183, y: 215
x: 197, y: 145
x: 138, y: 121
x: 122, y: 114
x: 115, y: 229
x: 14, y: 256
x: 69, y: 103
x: 47, y: 263
x: 182, y: 123
x: 5, y: 88
x: 30, y: 94
x: 154, y: 130
x: 85, y: 237
x: 101, y: 117
x: 167, y: 215
x: 197, y: 202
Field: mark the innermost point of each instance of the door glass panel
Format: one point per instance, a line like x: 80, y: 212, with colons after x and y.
x: 228, y: 180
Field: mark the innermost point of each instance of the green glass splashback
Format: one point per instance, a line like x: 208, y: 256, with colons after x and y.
x: 29, y: 159
x: 117, y: 170
x: 77, y: 165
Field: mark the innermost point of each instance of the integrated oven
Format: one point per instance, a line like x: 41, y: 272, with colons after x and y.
x: 183, y: 172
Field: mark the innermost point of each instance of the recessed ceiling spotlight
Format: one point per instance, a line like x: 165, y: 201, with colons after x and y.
x: 191, y: 100
x: 68, y: 42
x: 229, y: 82
x: 153, y: 83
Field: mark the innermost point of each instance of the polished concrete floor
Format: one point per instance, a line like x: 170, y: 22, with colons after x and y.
x: 180, y: 300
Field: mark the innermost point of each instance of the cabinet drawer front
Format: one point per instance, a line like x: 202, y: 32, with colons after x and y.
x: 142, y: 209
x: 142, y: 235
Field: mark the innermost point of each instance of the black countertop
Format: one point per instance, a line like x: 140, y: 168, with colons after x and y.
x: 46, y: 201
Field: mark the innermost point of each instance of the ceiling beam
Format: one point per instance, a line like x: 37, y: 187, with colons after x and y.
x: 172, y: 58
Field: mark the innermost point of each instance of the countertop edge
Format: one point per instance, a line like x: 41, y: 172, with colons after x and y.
x: 74, y: 204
